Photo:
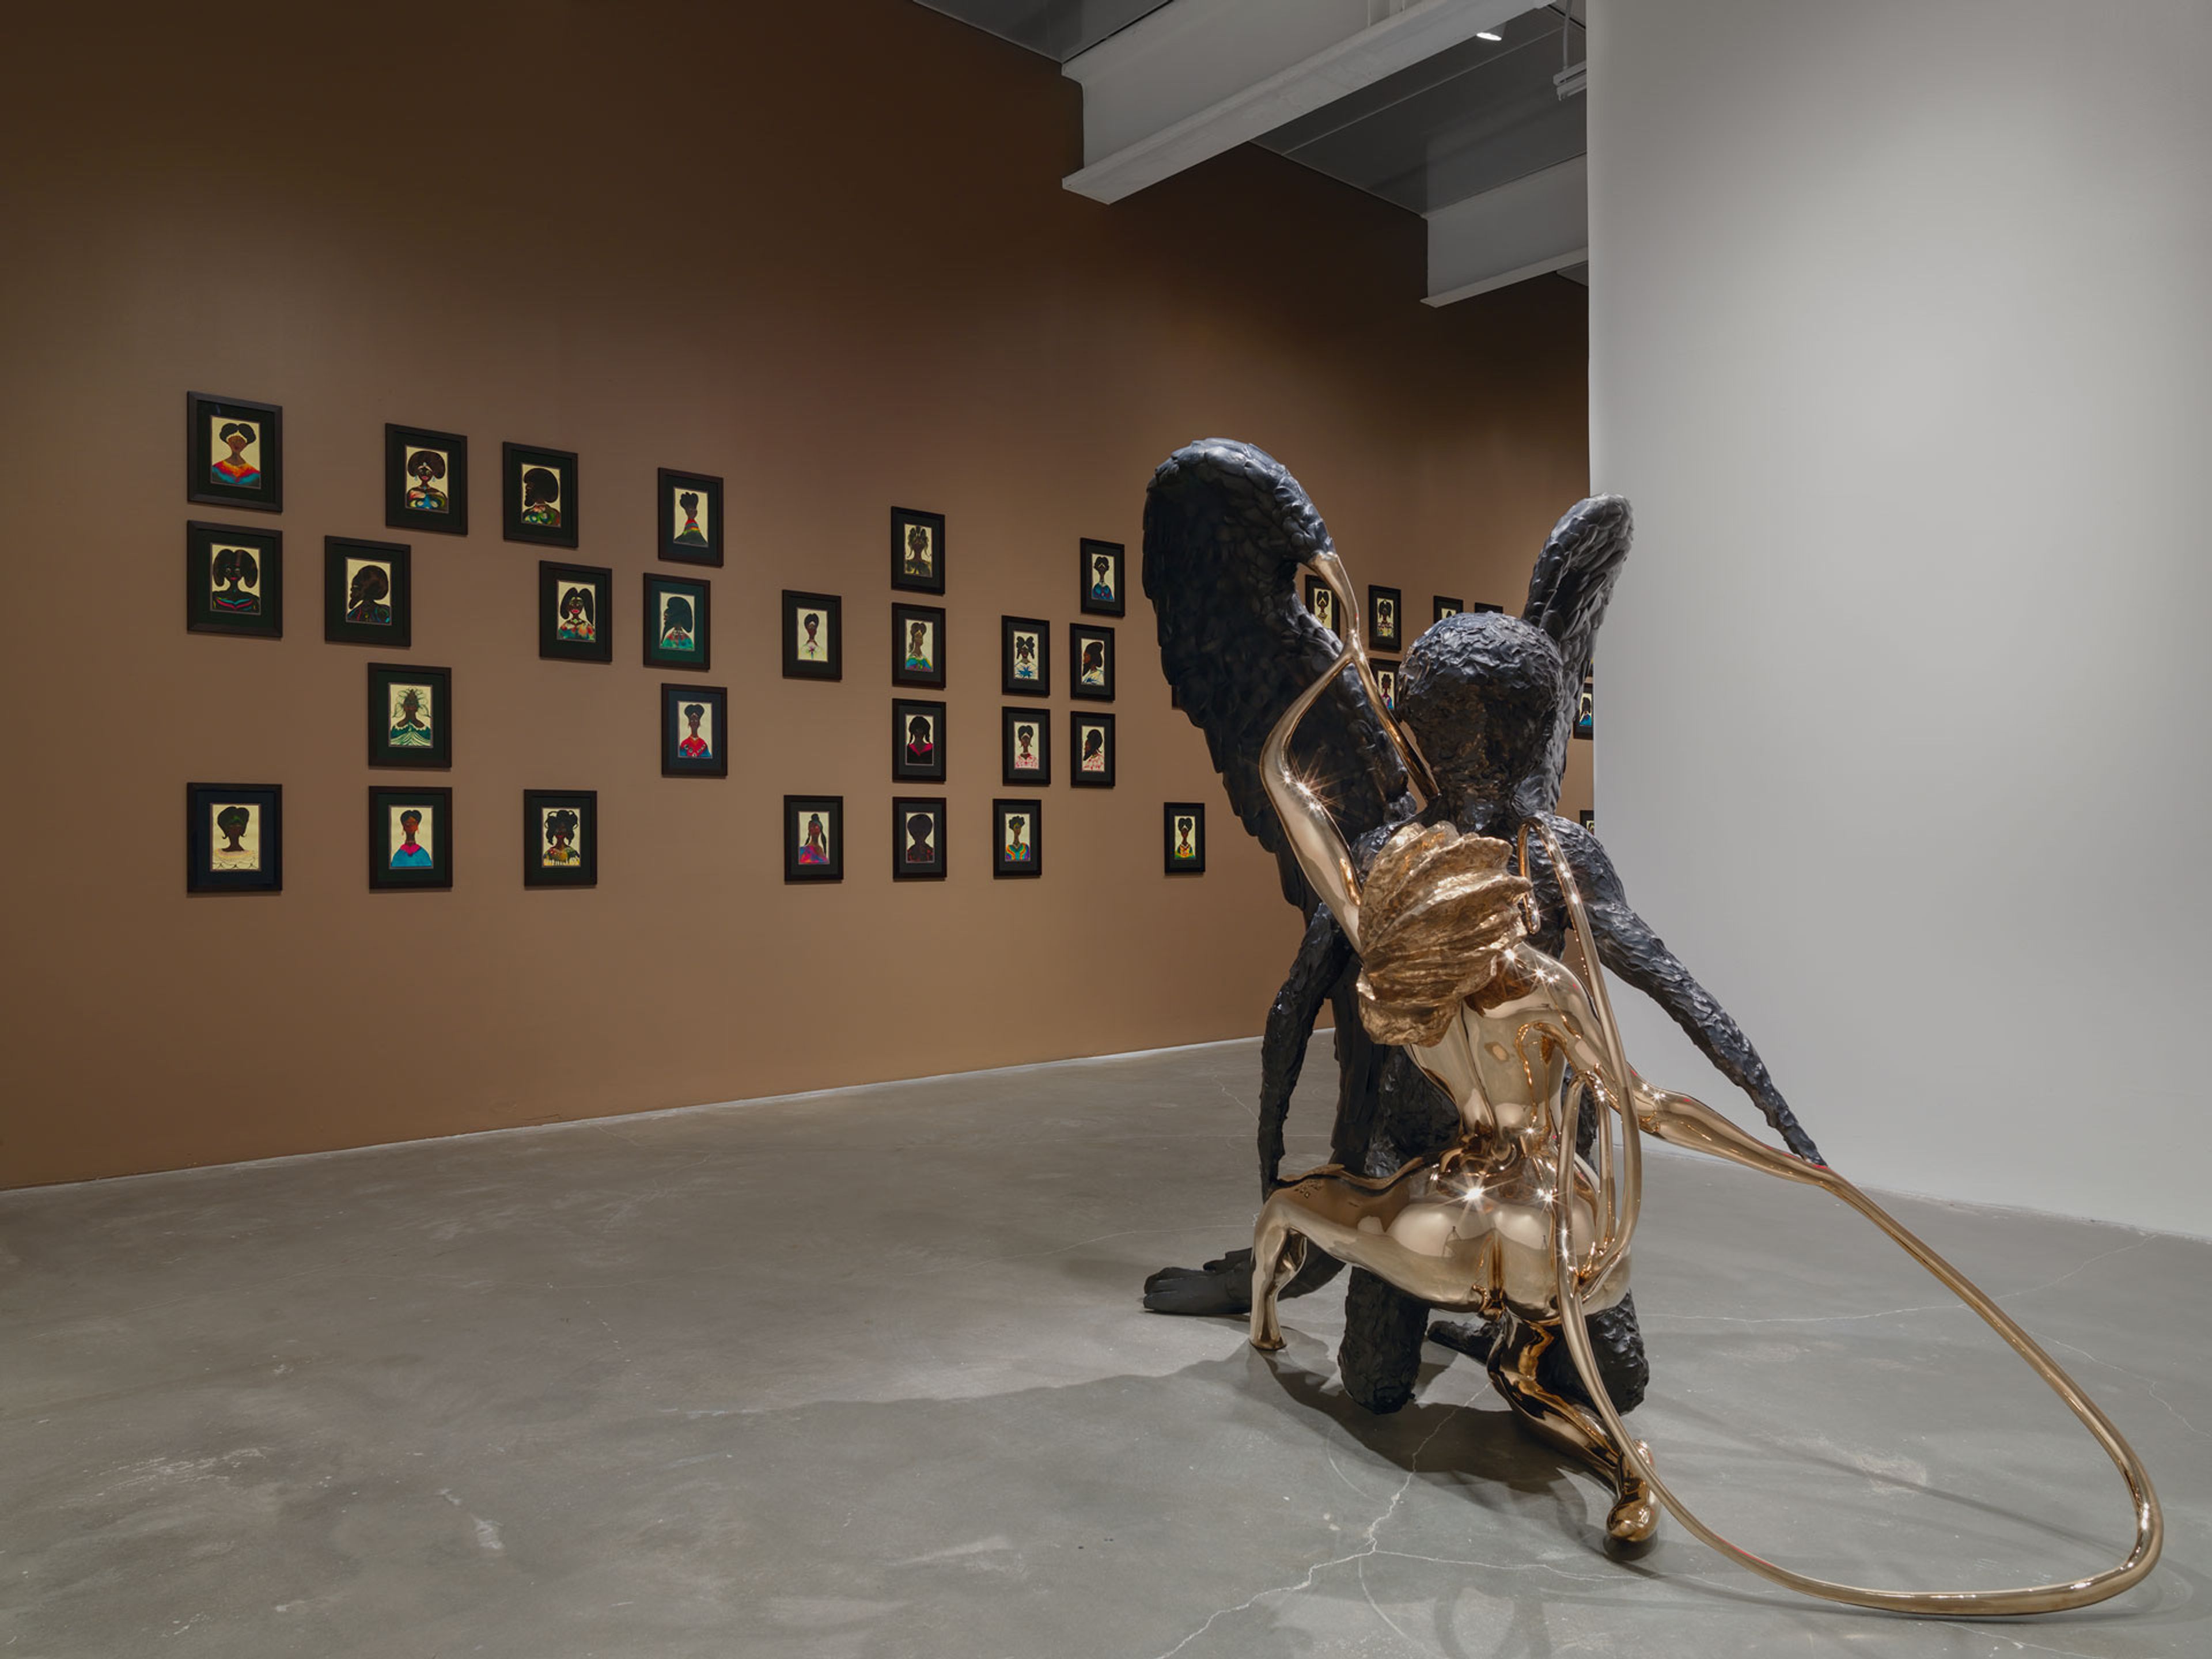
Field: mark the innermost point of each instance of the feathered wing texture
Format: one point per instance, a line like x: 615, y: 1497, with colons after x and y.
x: 1225, y: 530
x: 1568, y: 590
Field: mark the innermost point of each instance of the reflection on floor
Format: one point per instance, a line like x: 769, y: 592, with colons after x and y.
x: 865, y: 1375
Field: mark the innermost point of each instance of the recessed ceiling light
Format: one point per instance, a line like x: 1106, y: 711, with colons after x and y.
x: 1488, y: 34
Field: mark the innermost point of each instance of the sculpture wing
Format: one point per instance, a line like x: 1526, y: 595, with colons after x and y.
x: 1225, y: 530
x: 1568, y: 590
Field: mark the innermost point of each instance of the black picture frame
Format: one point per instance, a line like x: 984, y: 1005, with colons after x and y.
x: 393, y: 867
x: 1386, y: 619
x: 904, y: 811
x: 694, y: 595
x: 804, y: 858
x: 1081, y: 774
x: 349, y: 619
x: 1444, y: 605
x: 1386, y: 682
x: 904, y: 618
x: 547, y: 835
x: 1171, y: 837
x: 1081, y: 637
x: 917, y: 756
x: 917, y: 569
x: 233, y: 580
x: 389, y: 683
x: 1585, y: 710
x: 522, y: 492
x: 1589, y: 819
x: 211, y: 464
x: 683, y: 539
x: 677, y: 700
x: 211, y: 864
x: 1321, y: 603
x: 1036, y: 723
x: 588, y: 635
x: 1482, y: 607
x: 1004, y: 813
x: 1115, y: 601
x: 1014, y: 633
x: 830, y: 638
x: 439, y: 503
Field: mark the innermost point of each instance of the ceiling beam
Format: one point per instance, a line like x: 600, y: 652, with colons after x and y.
x: 1510, y: 234
x: 1197, y: 77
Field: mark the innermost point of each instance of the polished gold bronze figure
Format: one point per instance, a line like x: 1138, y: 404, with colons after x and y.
x: 1508, y: 1222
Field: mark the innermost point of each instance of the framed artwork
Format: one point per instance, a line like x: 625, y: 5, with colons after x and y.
x: 695, y: 722
x: 560, y: 838
x: 1320, y: 600
x: 575, y: 612
x: 917, y: 742
x: 1384, y: 610
x: 1104, y: 564
x: 367, y: 598
x: 1589, y: 819
x: 1582, y: 711
x: 1182, y: 837
x: 918, y: 838
x: 1089, y: 662
x: 1386, y: 681
x: 234, y: 838
x: 1444, y: 605
x: 1024, y: 657
x: 813, y: 636
x: 690, y: 509
x: 1090, y: 749
x: 1025, y: 747
x: 233, y: 580
x: 1017, y: 838
x: 539, y: 491
x: 677, y: 619
x: 426, y: 480
x: 411, y: 715
x: 917, y: 550
x: 814, y: 838
x: 1479, y: 608
x: 410, y: 838
x: 917, y: 645
x: 233, y: 452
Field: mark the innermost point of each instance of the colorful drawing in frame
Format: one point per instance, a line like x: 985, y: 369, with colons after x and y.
x: 1322, y: 603
x: 367, y: 593
x: 1102, y: 568
x: 538, y: 495
x: 695, y: 722
x: 233, y: 580
x: 233, y: 452
x: 1386, y: 682
x: 1025, y: 748
x: 1091, y: 749
x: 917, y: 550
x: 918, y: 838
x: 560, y: 838
x: 1483, y: 608
x: 1090, y: 662
x: 1017, y: 838
x: 917, y: 742
x: 917, y: 645
x: 234, y: 838
x: 813, y: 636
x: 814, y: 838
x: 688, y: 506
x: 1385, y: 609
x: 1024, y: 657
x: 426, y: 480
x: 411, y: 715
x: 410, y: 839
x: 575, y: 612
x: 1584, y: 714
x: 1589, y: 819
x: 678, y: 622
x: 1182, y: 837
x: 1443, y: 604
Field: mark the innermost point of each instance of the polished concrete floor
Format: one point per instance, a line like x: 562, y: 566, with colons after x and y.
x: 865, y: 1374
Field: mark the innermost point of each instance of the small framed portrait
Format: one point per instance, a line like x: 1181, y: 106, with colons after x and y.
x: 1386, y: 681
x: 1025, y: 747
x: 1017, y: 837
x: 918, y: 838
x: 917, y: 742
x: 1090, y: 749
x: 233, y: 452
x: 694, y: 723
x: 410, y: 838
x: 1182, y: 837
x: 1383, y: 616
x: 814, y: 838
x: 1024, y: 657
x: 676, y: 622
x: 233, y: 580
x: 1444, y: 605
x: 917, y: 645
x: 689, y: 510
x: 576, y: 603
x: 367, y: 596
x: 426, y: 480
x: 539, y: 493
x: 234, y: 838
x: 411, y: 715
x: 917, y: 550
x: 1320, y: 600
x: 1103, y: 568
x: 1582, y: 710
x: 813, y: 636
x: 1589, y: 819
x: 1089, y: 662
x: 560, y: 838
x: 1479, y: 608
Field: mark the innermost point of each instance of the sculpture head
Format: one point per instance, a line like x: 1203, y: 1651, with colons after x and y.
x: 1438, y: 915
x: 1480, y: 692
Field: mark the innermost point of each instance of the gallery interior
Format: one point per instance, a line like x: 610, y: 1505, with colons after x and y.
x: 981, y: 620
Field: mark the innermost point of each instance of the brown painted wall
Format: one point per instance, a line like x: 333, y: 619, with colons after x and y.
x: 832, y: 262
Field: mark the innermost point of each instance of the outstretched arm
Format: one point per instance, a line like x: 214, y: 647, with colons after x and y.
x: 1321, y: 959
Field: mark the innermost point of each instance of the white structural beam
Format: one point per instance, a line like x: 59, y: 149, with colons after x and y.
x: 1510, y: 234
x: 1197, y: 77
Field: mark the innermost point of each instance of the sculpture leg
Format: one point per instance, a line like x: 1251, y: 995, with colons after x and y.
x: 1379, y: 1356
x: 1615, y: 1334
x: 1568, y: 1427
x: 1277, y: 1254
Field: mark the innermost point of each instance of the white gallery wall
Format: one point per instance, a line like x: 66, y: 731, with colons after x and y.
x: 1901, y: 346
